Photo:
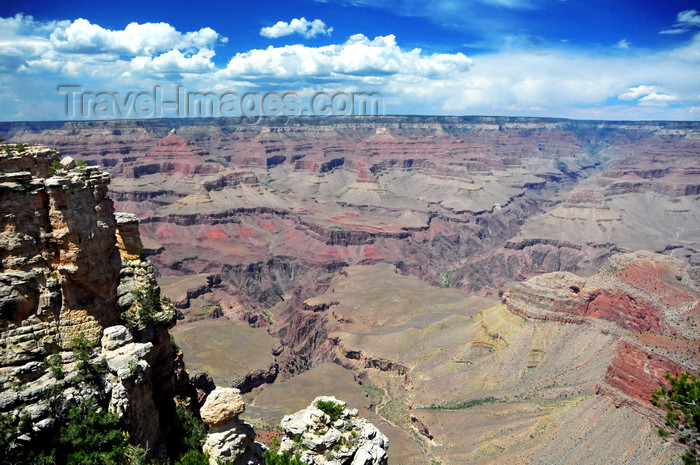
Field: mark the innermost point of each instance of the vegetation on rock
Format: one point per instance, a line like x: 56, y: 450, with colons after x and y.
x: 682, y: 403
x: 193, y: 457
x: 193, y: 430
x: 273, y: 457
x: 147, y: 305
x: 88, y: 435
x: 330, y: 408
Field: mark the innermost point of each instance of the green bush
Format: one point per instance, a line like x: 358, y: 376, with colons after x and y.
x: 273, y: 457
x: 193, y: 457
x: 93, y: 436
x: 53, y: 363
x: 193, y: 430
x: 54, y: 167
x: 682, y: 403
x: 88, y: 435
x: 83, y: 350
x: 330, y: 408
x: 18, y: 454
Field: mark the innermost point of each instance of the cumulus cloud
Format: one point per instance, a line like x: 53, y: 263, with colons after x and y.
x: 358, y: 57
x: 648, y: 96
x: 308, y: 29
x: 657, y: 99
x: 134, y: 40
x: 175, y: 62
x: 79, y: 47
x: 685, y: 21
x: 517, y: 79
x: 623, y: 44
x: 635, y: 92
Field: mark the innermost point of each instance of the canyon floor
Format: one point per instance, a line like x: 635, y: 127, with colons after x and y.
x: 484, y: 290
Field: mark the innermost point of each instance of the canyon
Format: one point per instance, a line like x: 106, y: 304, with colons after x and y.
x: 484, y: 290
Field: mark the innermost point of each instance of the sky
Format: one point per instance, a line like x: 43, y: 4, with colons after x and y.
x: 581, y: 59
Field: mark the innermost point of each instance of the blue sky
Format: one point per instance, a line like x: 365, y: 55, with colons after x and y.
x: 594, y: 59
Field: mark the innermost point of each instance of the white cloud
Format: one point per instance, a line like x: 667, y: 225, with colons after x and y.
x: 636, y: 92
x: 357, y: 58
x: 35, y: 56
x: 648, y: 96
x: 174, y: 62
x: 685, y: 21
x: 657, y: 99
x: 623, y: 44
x: 301, y: 26
x: 690, y: 52
x: 80, y: 48
x: 135, y: 40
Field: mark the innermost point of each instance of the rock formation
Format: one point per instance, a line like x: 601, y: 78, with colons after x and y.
x: 80, y: 311
x: 230, y: 440
x: 324, y: 440
x: 545, y: 376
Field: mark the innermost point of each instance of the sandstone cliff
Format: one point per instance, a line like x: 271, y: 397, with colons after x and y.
x: 72, y: 276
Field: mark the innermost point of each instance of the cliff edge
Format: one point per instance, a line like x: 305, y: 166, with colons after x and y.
x: 81, y: 317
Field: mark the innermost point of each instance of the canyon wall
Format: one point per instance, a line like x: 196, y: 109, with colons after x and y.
x: 475, y: 202
x: 66, y: 292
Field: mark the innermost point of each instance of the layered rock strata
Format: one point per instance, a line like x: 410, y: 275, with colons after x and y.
x: 474, y: 203
x: 67, y: 290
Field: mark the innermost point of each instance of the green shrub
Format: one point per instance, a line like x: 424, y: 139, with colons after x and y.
x: 93, y: 436
x: 193, y: 457
x: 193, y: 430
x: 53, y: 363
x: 54, y: 167
x: 682, y: 403
x: 83, y: 350
x: 148, y: 303
x: 273, y: 457
x: 88, y: 435
x: 13, y: 453
x: 330, y: 408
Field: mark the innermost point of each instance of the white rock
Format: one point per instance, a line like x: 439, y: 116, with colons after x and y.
x: 67, y: 162
x: 348, y: 440
x: 115, y: 337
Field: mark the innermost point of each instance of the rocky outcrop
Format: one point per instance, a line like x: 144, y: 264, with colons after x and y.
x: 649, y: 301
x: 640, y: 291
x: 128, y: 237
x: 638, y: 372
x: 222, y: 406
x: 341, y: 439
x: 230, y: 440
x: 59, y: 263
x: 81, y: 317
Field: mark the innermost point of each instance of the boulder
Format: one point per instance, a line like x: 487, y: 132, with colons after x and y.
x: 115, y: 337
x: 222, y: 406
